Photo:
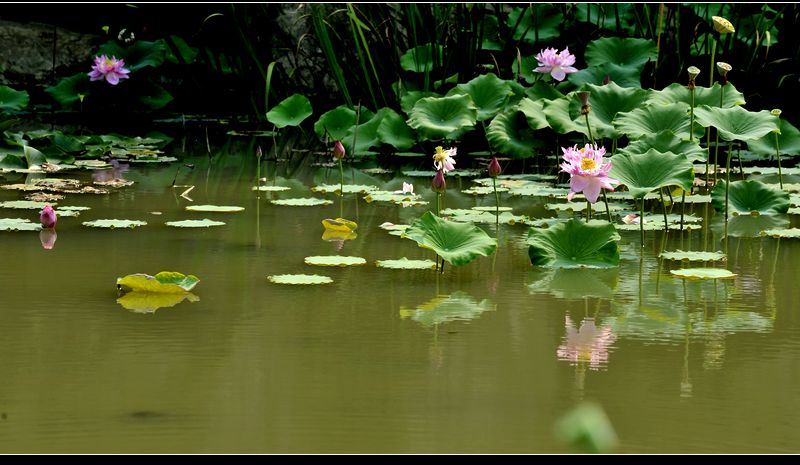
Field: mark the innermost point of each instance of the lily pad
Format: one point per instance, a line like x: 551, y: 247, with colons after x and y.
x: 750, y: 198
x: 339, y: 224
x: 574, y: 244
x: 348, y: 188
x: 421, y: 59
x: 271, y: 188
x: 214, y: 208
x: 114, y: 224
x: 458, y: 243
x: 290, y: 112
x: 652, y: 170
x: 18, y: 224
x: 703, y: 273
x: 680, y: 255
x: 406, y: 264
x: 337, y: 122
x: 167, y: 282
x: 149, y: 302
x: 625, y: 52
x: 204, y: 223
x: 443, y: 117
x: 334, y: 260
x: 737, y: 123
x: 24, y: 204
x: 301, y: 202
x: 299, y: 279
x: 792, y: 233
x: 679, y: 93
x: 76, y: 208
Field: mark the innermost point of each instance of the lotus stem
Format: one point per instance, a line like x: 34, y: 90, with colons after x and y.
x: 605, y: 201
x: 727, y: 181
x: 589, y: 128
x: 778, y: 155
x: 341, y: 178
x: 691, y: 122
x: 641, y: 221
x: 664, y: 207
x: 588, y: 211
x: 438, y: 203
x: 683, y: 208
x: 716, y: 140
x: 496, y: 201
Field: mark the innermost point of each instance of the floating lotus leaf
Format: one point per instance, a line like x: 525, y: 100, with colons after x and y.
x: 574, y: 244
x: 13, y: 100
x: 18, y: 224
x: 406, y: 264
x: 420, y: 59
x: 693, y: 256
x: 443, y: 117
x: 652, y: 170
x: 703, y: 273
x: 459, y: 306
x: 253, y: 133
x: 339, y: 224
x: 431, y: 174
x: 509, y: 134
x: 204, y: 223
x: 476, y: 217
x: 299, y: 279
x: 458, y: 243
x: 492, y: 209
x: 624, y: 76
x: 488, y: 92
x: 606, y: 101
x: 337, y: 121
x: 149, y: 302
x: 334, y: 260
x: 750, y: 198
x: 301, y: 202
x: 627, y: 52
x: 556, y: 112
x: 394, y: 227
x: 666, y: 141
x: 483, y: 190
x: 737, y: 123
x: 791, y: 233
x: 788, y: 141
x: 679, y: 93
x: 391, y: 196
x: 693, y: 199
x: 653, y: 119
x: 410, y: 99
x: 167, y: 282
x: 348, y: 188
x: 25, y: 204
x: 214, y: 208
x: 76, y: 208
x: 576, y: 283
x: 394, y: 131
x: 331, y: 236
x: 271, y: 188
x: 290, y: 112
x: 534, y: 112
x: 114, y: 224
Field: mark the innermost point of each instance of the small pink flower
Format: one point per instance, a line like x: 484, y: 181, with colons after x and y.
x: 443, y: 159
x: 587, y: 172
x: 110, y: 69
x: 338, y: 150
x: 557, y: 64
x: 48, y: 217
x: 408, y: 188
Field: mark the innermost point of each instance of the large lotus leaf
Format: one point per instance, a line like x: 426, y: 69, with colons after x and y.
x: 290, y: 112
x: 301, y: 202
x: 557, y: 114
x: 790, y: 233
x: 18, y: 224
x: 628, y: 52
x: 409, y: 99
x: 299, y: 279
x: 114, y: 224
x: 750, y: 197
x: 149, y: 302
x: 420, y: 59
x: 656, y: 118
x: 509, y: 134
x: 459, y: 306
x: 205, y: 223
x: 337, y: 121
x: 71, y: 90
x: 13, y: 100
x: 534, y: 112
x: 574, y: 244
x: 458, y: 243
x: 788, y: 141
x: 153, y: 95
x: 139, y: 54
x: 543, y: 90
x: 394, y: 131
x: 406, y: 264
x: 489, y: 93
x: 643, y: 173
x: 679, y: 93
x: 167, y: 282
x: 606, y: 101
x: 334, y: 260
x: 540, y: 21
x: 694, y: 256
x: 443, y: 117
x: 10, y: 161
x: 703, y: 273
x: 666, y: 141
x: 367, y: 132
x: 624, y: 76
x: 737, y: 123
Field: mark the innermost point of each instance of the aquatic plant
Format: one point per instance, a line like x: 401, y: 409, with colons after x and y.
x: 110, y: 69
x: 48, y: 217
x: 557, y: 64
x: 443, y: 159
x: 588, y: 173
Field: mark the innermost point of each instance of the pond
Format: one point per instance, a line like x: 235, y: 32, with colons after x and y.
x: 484, y: 357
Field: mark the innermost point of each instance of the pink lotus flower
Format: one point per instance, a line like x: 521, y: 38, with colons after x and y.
x: 338, y: 150
x: 48, y: 238
x: 631, y: 219
x: 557, y: 64
x: 438, y: 184
x: 587, y: 344
x: 109, y: 69
x: 443, y: 159
x: 408, y: 188
x: 48, y: 217
x: 587, y: 172
x: 494, y: 167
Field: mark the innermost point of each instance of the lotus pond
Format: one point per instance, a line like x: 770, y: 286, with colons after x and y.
x: 484, y: 357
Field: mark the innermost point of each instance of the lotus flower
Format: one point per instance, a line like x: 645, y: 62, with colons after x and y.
x: 438, y: 184
x: 48, y: 238
x: 110, y: 69
x: 557, y: 64
x: 443, y: 159
x: 631, y: 219
x: 338, y: 150
x: 48, y: 217
x: 494, y: 167
x: 587, y: 172
x: 587, y: 344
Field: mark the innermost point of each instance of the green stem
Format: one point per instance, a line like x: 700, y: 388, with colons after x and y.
x: 691, y: 121
x: 664, y: 206
x: 778, y: 154
x: 641, y: 220
x: 608, y: 210
x: 496, y: 201
x: 438, y: 203
x: 711, y: 68
x: 727, y: 180
x: 588, y: 210
x: 716, y: 140
x: 683, y: 207
x: 589, y: 128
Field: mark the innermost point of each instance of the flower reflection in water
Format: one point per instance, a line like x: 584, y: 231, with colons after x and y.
x: 587, y: 344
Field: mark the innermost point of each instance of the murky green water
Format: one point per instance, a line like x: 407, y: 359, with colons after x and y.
x: 679, y: 366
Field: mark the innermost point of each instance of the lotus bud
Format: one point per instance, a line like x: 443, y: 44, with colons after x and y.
x: 494, y: 167
x: 776, y: 112
x: 408, y: 188
x: 338, y: 150
x: 259, y: 154
x: 48, y: 238
x: 584, y: 98
x: 723, y: 69
x: 439, y: 185
x: 606, y: 80
x: 48, y: 217
x: 722, y: 25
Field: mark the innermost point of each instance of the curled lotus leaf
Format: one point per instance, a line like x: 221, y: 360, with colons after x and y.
x: 167, y: 282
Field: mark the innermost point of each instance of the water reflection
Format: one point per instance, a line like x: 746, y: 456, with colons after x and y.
x: 572, y: 283
x: 48, y: 236
x: 149, y: 302
x: 588, y: 344
x: 458, y: 306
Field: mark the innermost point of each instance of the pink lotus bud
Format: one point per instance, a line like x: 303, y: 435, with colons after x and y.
x: 48, y: 217
x: 494, y: 167
x: 259, y: 153
x: 48, y: 238
x: 338, y: 150
x: 439, y: 185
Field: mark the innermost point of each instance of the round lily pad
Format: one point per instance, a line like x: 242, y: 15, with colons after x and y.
x: 114, y: 224
x: 18, y: 224
x: 214, y: 208
x: 792, y: 233
x: 406, y: 264
x: 204, y: 223
x: 301, y: 202
x: 299, y: 279
x: 348, y: 188
x: 271, y: 188
x: 24, y: 204
x: 704, y: 273
x: 492, y: 209
x: 74, y: 208
x: 693, y: 256
x: 334, y: 260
